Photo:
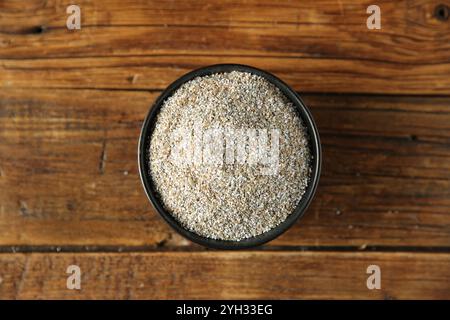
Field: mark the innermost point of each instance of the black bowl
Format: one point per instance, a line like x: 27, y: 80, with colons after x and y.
x: 144, y: 170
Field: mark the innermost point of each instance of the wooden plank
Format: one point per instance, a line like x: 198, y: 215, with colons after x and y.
x: 314, y: 49
x: 69, y: 177
x: 226, y: 275
x: 60, y: 158
x: 266, y: 26
x: 303, y: 74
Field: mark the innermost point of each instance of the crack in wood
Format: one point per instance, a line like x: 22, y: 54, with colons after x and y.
x: 103, y: 158
x: 23, y: 276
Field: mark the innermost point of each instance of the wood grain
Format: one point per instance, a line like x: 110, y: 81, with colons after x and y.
x: 317, y: 46
x: 230, y: 275
x: 69, y: 172
x: 71, y: 107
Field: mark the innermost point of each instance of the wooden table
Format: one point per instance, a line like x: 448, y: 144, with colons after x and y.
x: 71, y: 107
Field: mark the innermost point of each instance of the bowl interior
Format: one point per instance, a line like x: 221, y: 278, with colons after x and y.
x: 314, y: 143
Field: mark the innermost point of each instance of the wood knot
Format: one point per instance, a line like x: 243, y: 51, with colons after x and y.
x: 36, y: 30
x: 442, y: 12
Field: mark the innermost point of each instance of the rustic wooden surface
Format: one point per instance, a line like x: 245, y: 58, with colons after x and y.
x: 321, y: 46
x: 226, y: 275
x: 71, y: 107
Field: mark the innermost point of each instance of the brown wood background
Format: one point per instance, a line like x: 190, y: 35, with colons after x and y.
x: 71, y: 107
